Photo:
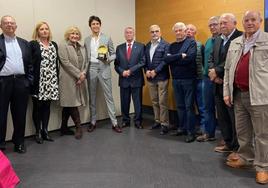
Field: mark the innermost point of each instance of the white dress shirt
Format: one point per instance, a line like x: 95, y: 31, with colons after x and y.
x: 94, y: 45
x: 14, y: 61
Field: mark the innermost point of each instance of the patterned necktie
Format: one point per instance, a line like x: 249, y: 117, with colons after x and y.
x: 128, y: 51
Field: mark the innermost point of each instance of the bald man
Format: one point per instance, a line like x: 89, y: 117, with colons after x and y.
x: 225, y: 113
x: 191, y: 32
x: 245, y: 87
x: 157, y: 74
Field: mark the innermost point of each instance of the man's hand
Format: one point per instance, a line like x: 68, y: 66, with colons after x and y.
x: 227, y: 100
x: 153, y: 73
x: 218, y: 80
x: 148, y: 74
x: 212, y: 74
x: 126, y: 73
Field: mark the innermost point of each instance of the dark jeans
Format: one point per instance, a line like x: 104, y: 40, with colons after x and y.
x: 184, y: 90
x: 206, y: 105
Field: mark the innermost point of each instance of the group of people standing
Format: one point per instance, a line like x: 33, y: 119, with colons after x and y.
x: 229, y: 72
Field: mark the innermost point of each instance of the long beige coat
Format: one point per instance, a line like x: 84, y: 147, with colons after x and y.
x: 72, y: 95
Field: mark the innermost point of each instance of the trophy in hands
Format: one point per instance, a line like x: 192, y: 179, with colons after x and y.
x: 102, y: 53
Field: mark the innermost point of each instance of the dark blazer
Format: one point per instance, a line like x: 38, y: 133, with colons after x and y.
x: 158, y: 64
x: 36, y: 60
x: 135, y: 65
x: 26, y: 56
x: 219, y: 53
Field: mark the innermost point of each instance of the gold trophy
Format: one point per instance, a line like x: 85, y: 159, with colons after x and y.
x: 102, y: 53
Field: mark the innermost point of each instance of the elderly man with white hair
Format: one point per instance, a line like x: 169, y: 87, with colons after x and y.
x: 245, y: 86
x: 181, y: 57
x: 225, y: 114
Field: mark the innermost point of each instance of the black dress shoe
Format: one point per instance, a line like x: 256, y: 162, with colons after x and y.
x: 20, y: 148
x: 46, y: 137
x: 164, y: 130
x: 156, y: 126
x: 3, y: 146
x: 91, y: 127
x: 190, y: 138
x: 38, y: 138
x: 138, y: 126
x: 117, y: 129
x: 179, y: 132
x: 125, y: 124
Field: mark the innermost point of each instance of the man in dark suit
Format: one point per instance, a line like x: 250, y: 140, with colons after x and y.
x: 157, y: 74
x: 15, y: 79
x: 128, y: 64
x: 225, y: 114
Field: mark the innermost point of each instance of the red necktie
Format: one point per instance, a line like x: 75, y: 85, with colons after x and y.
x: 128, y: 51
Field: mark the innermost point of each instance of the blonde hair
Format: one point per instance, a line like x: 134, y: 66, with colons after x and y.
x: 35, y: 35
x: 71, y: 30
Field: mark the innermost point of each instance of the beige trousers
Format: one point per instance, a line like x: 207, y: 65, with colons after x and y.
x: 159, y: 96
x: 252, y: 130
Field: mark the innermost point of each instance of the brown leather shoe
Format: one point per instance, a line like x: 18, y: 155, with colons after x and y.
x: 240, y: 163
x: 91, y: 127
x: 262, y: 177
x: 222, y: 149
x: 233, y: 157
x: 117, y: 129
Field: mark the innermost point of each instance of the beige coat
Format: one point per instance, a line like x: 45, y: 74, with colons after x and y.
x: 72, y: 95
x: 258, y: 69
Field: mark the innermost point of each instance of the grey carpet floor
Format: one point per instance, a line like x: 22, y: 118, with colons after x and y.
x: 133, y: 159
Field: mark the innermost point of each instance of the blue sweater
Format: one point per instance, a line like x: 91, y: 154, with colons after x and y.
x: 182, y: 68
x: 158, y: 64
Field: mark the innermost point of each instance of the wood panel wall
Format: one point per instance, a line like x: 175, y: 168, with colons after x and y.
x: 166, y: 13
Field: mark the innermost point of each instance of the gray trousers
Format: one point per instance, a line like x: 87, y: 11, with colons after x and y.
x: 106, y: 85
x: 159, y: 96
x: 252, y: 130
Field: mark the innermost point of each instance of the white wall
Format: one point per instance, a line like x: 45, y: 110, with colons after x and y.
x: 60, y: 14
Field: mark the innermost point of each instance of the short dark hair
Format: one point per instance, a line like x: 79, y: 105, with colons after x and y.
x: 92, y: 18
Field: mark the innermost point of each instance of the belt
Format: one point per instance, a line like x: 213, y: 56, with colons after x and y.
x: 14, y: 76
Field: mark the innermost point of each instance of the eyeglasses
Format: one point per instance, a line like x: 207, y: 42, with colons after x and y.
x: 156, y: 31
x: 213, y: 25
x: 11, y: 23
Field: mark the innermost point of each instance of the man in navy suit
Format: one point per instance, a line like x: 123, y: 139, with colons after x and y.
x: 128, y: 64
x: 157, y: 74
x: 15, y: 79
